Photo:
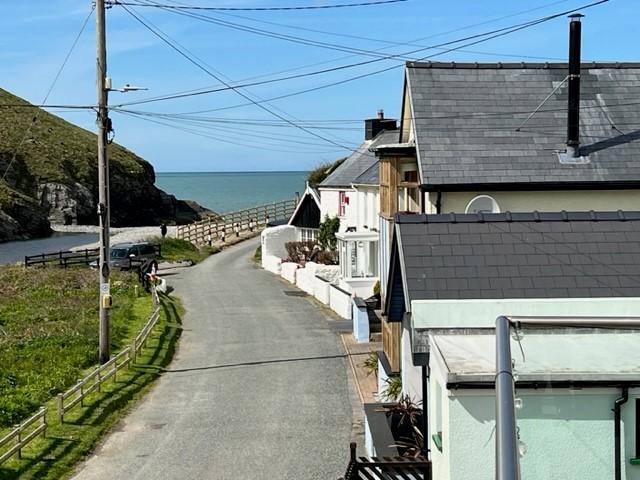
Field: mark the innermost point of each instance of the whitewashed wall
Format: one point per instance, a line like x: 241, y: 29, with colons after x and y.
x: 330, y: 205
x: 340, y: 302
x: 274, y: 238
x: 288, y: 271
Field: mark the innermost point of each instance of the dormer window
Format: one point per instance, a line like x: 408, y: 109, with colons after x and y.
x: 482, y: 204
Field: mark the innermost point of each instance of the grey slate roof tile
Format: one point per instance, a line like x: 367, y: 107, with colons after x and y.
x: 466, y: 117
x: 593, y: 254
x: 361, y: 166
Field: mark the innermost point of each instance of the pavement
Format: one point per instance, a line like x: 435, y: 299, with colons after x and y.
x: 259, y: 388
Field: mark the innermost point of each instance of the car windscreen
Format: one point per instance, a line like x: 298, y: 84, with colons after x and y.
x: 118, y: 253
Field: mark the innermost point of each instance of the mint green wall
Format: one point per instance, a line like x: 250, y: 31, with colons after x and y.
x: 483, y: 313
x: 568, y: 436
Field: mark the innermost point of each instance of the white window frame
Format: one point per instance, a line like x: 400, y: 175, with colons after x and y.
x: 495, y: 208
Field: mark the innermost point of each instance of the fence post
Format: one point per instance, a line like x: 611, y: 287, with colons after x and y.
x: 60, y: 407
x: 81, y: 393
x: 115, y: 369
x: 44, y: 421
x: 19, y: 440
x: 99, y: 377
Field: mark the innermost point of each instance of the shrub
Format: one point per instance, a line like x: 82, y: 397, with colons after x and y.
x: 393, y: 390
x: 322, y: 171
x: 300, y: 252
x: 326, y: 257
x: 327, y: 232
x: 376, y: 289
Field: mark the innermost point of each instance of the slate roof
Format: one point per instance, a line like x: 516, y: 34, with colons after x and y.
x: 516, y: 255
x: 466, y: 117
x: 359, y: 162
x: 371, y: 176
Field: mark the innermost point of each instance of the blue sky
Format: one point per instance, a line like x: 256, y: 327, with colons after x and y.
x: 37, y: 34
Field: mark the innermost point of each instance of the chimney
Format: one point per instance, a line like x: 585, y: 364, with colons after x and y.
x: 573, y: 110
x: 373, y: 126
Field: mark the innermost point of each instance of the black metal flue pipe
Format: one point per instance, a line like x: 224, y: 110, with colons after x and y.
x: 573, y: 114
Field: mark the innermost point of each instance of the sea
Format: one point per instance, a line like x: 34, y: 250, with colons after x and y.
x: 221, y: 192
x: 225, y: 192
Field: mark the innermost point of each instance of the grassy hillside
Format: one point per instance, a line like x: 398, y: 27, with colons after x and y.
x: 57, y: 150
x: 53, y: 174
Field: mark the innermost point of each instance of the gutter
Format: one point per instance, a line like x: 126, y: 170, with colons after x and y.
x: 617, y: 458
x: 532, y: 186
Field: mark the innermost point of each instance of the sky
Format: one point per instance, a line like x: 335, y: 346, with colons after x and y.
x: 294, y: 133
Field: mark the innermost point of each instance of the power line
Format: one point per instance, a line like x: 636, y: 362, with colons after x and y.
x: 46, y: 97
x: 259, y: 104
x: 385, y: 48
x: 490, y: 34
x: 262, y: 9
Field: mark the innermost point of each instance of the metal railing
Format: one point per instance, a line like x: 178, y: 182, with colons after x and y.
x: 226, y: 226
x: 17, y: 438
x: 506, y: 436
x: 386, y: 468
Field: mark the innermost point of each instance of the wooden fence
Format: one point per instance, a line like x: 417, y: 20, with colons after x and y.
x: 225, y: 226
x: 387, y: 468
x: 79, y: 257
x: 75, y: 395
x: 22, y: 434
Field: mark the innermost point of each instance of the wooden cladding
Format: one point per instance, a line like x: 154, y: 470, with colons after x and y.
x: 398, y: 182
x: 391, y: 336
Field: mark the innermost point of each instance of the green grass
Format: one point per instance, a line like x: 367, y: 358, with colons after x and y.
x: 49, y: 331
x: 175, y: 250
x: 55, y: 456
x: 257, y: 255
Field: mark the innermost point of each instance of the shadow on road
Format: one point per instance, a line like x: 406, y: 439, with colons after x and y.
x: 262, y: 362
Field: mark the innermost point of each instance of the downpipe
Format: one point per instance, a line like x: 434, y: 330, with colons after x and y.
x: 617, y: 406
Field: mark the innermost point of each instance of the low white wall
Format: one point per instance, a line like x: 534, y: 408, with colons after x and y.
x: 288, y: 271
x: 271, y: 263
x: 305, y: 278
x: 321, y: 289
x: 274, y: 238
x: 340, y: 301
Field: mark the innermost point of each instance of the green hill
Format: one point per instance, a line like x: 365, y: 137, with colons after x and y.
x: 53, y: 177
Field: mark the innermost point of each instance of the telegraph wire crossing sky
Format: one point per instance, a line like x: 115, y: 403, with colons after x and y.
x: 273, y: 85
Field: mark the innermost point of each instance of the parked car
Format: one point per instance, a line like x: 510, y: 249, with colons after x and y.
x: 122, y: 254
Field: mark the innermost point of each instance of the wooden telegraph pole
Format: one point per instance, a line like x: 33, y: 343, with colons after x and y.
x: 103, y: 178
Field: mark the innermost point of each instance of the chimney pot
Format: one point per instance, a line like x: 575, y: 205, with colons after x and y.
x: 380, y: 114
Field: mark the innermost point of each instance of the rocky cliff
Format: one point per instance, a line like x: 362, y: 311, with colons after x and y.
x: 51, y: 177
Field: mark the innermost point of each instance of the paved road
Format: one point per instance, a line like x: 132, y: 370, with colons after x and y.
x: 258, y: 389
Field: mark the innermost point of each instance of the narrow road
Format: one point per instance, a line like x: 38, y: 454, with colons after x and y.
x: 258, y: 389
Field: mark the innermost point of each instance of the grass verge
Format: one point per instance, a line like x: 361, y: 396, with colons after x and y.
x: 55, y: 456
x: 176, y: 250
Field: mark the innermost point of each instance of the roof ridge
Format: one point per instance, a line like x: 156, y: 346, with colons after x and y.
x: 535, y: 216
x: 518, y: 65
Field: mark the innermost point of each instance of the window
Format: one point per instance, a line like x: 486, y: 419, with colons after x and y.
x: 342, y: 205
x: 358, y: 258
x: 409, y: 173
x: 308, y: 234
x: 482, y: 204
x: 408, y: 199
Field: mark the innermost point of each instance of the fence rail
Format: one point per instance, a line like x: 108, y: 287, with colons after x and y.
x: 18, y: 440
x: 68, y: 258
x: 75, y: 395
x: 92, y: 382
x: 220, y: 228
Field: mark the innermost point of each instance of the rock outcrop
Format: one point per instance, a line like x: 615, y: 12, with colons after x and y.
x: 53, y: 178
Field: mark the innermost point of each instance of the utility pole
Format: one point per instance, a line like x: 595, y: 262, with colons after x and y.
x: 103, y: 178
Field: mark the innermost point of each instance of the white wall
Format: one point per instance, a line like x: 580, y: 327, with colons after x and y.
x: 288, y: 271
x: 340, y: 302
x: 273, y: 240
x: 411, y: 375
x: 330, y: 205
x: 368, y: 207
